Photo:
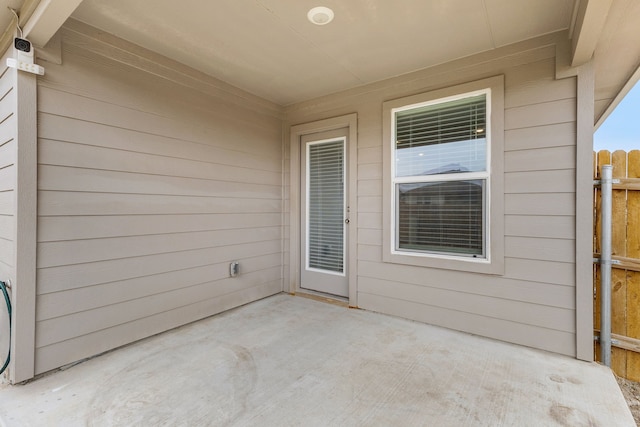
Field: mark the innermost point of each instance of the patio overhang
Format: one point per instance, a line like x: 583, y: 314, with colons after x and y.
x: 47, y: 18
x: 271, y: 50
x: 591, y: 16
x: 245, y: 73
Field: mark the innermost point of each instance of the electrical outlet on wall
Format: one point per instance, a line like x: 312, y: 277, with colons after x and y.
x: 234, y: 269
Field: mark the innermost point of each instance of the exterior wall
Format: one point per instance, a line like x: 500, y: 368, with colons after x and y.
x: 18, y: 211
x: 152, y: 178
x: 8, y: 151
x: 534, y: 302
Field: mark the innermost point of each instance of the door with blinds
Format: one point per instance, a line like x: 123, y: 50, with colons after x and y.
x: 324, y: 216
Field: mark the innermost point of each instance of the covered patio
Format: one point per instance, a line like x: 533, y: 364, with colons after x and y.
x: 288, y: 360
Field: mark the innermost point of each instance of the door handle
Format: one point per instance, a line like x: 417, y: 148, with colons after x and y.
x: 347, y: 221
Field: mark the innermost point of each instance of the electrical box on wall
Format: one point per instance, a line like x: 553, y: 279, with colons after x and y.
x: 234, y: 269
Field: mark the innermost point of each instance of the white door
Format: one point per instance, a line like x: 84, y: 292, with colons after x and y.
x: 324, y: 216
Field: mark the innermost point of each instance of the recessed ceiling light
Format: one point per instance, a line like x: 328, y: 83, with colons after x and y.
x: 320, y: 15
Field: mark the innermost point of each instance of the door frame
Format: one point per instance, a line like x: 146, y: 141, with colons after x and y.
x: 349, y: 121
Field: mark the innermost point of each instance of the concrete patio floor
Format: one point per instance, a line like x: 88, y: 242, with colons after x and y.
x: 286, y: 361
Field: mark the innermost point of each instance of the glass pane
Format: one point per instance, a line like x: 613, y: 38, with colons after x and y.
x: 325, y: 207
x: 448, y: 137
x: 442, y: 216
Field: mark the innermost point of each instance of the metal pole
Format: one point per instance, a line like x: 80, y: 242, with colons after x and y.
x: 605, y: 266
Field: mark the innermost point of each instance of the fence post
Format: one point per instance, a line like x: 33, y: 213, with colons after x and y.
x: 605, y: 265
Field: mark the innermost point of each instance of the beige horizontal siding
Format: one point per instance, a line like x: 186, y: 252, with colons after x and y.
x: 147, y: 189
x: 545, y: 181
x: 484, y: 325
x: 371, y: 253
x: 7, y: 200
x: 52, y: 203
x: 91, y: 250
x: 513, y: 310
x: 7, y: 82
x: 59, y: 153
x: 62, y: 303
x: 58, y: 228
x: 541, y: 249
x: 370, y: 220
x: 56, y: 329
x: 370, y: 204
x: 58, y: 354
x: 369, y: 236
x: 541, y: 159
x: 555, y: 227
x: 482, y: 285
x: 540, y: 137
x: 7, y: 178
x: 543, y: 204
x: 555, y: 273
x: 543, y: 114
x: 189, y: 146
x: 7, y: 226
x: 368, y: 171
x: 533, y: 303
x: 369, y: 155
x: 7, y: 100
x: 7, y: 253
x: 57, y: 178
x: 7, y: 172
x: 536, y: 85
x: 7, y: 148
x: 61, y: 278
x: 370, y: 187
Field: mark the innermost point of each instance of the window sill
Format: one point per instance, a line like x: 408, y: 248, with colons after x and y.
x: 466, y: 264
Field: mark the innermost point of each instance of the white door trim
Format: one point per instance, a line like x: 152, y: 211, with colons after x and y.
x: 297, y: 131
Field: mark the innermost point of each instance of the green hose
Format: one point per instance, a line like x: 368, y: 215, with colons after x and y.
x: 3, y: 288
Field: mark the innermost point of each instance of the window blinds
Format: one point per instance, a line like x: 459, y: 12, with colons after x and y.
x: 325, y: 206
x: 441, y: 123
x: 445, y: 216
x: 433, y: 214
x: 442, y: 138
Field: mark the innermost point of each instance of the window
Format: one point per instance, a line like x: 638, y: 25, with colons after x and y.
x: 440, y: 176
x: 443, y: 193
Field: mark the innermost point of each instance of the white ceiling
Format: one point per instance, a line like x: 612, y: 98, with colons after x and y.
x: 268, y: 47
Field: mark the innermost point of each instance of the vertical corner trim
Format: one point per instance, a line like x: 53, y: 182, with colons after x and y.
x: 24, y: 289
x: 584, y: 204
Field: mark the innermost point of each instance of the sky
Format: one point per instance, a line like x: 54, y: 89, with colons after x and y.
x: 621, y: 130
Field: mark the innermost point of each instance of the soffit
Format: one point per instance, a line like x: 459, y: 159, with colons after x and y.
x: 617, y: 56
x: 6, y: 16
x: 268, y: 48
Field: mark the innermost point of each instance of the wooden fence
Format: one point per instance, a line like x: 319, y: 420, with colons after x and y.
x: 625, y: 245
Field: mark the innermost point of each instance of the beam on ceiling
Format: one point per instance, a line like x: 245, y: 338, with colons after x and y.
x: 590, y: 18
x: 47, y: 19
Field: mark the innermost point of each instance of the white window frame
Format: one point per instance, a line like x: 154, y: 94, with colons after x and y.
x: 466, y: 176
x: 493, y: 260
